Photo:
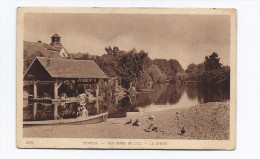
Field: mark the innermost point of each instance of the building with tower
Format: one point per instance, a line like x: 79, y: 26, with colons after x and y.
x: 53, y: 50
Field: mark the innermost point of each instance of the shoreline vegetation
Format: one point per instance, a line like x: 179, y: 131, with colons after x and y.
x: 134, y: 69
x: 208, y: 121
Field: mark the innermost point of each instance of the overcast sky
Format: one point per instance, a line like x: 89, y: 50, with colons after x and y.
x: 187, y: 38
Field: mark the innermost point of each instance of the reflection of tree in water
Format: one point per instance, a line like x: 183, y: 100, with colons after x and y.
x: 113, y: 110
x: 117, y: 107
x: 174, y: 93
x: 161, y: 95
x: 213, y: 94
x: 192, y: 91
x: 206, y: 94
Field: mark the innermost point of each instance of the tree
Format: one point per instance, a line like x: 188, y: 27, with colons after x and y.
x: 192, y: 71
x: 85, y: 56
x: 156, y: 74
x: 175, y: 66
x: 215, y: 74
x: 212, y: 62
x: 170, y: 68
x: 201, y: 69
x: 127, y: 65
x: 133, y: 64
x: 195, y: 71
x: 181, y: 77
x: 224, y: 78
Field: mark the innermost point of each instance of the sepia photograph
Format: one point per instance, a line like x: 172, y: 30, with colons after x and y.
x: 126, y: 78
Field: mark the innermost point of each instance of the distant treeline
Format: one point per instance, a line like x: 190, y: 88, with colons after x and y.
x: 135, y: 68
x: 210, y: 72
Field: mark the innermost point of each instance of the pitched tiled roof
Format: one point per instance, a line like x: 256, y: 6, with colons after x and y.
x: 55, y: 36
x: 47, y: 50
x: 67, y: 68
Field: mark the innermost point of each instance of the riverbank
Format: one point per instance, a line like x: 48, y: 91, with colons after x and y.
x: 209, y: 121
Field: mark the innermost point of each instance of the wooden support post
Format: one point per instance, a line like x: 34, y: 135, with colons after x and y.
x: 97, y: 105
x: 97, y: 88
x: 34, y: 89
x: 34, y: 110
x: 55, y: 111
x: 76, y: 87
x: 56, y: 89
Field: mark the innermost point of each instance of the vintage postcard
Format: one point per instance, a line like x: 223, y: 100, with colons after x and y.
x: 126, y: 78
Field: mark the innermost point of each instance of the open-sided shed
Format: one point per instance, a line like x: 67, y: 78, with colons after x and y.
x: 57, y: 70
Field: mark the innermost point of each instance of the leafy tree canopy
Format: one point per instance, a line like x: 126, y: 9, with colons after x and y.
x: 212, y: 62
x: 125, y: 64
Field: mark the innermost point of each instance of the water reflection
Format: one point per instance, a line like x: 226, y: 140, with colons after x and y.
x: 118, y: 107
x: 162, y: 97
x: 168, y: 96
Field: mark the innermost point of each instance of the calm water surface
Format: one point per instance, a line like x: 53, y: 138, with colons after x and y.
x: 163, y: 97
x: 167, y: 96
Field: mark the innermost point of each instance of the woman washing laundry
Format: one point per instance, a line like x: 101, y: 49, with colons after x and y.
x: 82, y: 111
x: 83, y: 98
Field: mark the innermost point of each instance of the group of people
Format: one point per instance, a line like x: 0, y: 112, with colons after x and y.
x: 82, y: 111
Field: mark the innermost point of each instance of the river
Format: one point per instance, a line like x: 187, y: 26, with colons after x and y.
x: 168, y: 96
x: 162, y: 97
